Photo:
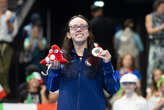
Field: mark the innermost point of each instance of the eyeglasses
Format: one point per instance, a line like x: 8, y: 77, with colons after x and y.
x: 126, y: 83
x: 82, y: 27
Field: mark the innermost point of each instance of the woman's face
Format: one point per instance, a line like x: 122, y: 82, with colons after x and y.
x: 157, y: 75
x: 160, y: 9
x: 78, y: 30
x: 127, y: 61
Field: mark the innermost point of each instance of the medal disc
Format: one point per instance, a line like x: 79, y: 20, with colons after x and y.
x: 96, y: 51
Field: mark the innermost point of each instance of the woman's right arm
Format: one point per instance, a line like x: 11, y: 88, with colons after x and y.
x: 54, y: 73
x: 149, y: 26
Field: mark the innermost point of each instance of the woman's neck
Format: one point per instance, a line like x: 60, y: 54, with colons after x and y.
x: 80, y: 48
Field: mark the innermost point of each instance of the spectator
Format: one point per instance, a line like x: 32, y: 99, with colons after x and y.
x: 103, y: 27
x: 34, y: 47
x: 35, y: 20
x: 157, y: 102
x: 28, y: 70
x: 128, y: 41
x: 8, y: 30
x: 35, y: 91
x: 52, y: 98
x: 153, y: 90
x: 130, y: 100
x: 154, y: 23
x: 127, y: 64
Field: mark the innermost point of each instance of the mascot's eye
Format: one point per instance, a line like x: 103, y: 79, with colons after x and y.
x: 50, y: 51
x: 56, y: 51
x: 61, y: 51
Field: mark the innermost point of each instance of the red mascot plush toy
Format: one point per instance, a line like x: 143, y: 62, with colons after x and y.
x: 55, y: 53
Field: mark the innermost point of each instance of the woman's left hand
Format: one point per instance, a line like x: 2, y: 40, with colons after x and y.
x: 105, y: 55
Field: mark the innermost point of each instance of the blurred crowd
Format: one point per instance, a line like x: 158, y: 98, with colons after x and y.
x: 122, y: 39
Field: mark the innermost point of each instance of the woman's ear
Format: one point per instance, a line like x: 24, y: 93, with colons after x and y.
x: 68, y: 35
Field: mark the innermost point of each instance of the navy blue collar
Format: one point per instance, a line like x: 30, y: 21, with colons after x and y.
x: 84, y: 53
x: 84, y: 57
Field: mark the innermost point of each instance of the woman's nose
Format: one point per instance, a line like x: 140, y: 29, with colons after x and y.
x: 78, y: 28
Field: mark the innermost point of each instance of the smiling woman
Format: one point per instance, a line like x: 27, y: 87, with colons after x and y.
x: 81, y: 85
